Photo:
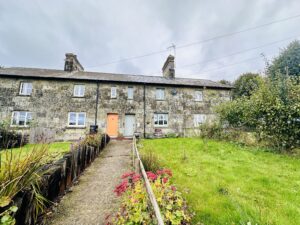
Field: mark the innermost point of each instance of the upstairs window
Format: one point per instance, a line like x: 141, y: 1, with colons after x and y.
x: 198, y: 96
x: 199, y: 119
x: 76, y: 119
x: 25, y: 88
x: 160, y: 93
x: 21, y: 118
x: 130, y: 93
x: 113, y: 92
x: 161, y: 119
x: 79, y: 90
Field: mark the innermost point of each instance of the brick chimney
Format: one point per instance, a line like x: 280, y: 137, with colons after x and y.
x: 72, y: 63
x: 169, y: 68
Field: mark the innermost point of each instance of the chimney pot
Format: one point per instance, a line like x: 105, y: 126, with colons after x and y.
x: 169, y: 67
x: 72, y: 63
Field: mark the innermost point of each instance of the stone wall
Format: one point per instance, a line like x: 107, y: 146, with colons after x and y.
x: 51, y: 101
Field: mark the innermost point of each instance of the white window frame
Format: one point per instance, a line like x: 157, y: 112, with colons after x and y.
x: 113, y: 92
x: 161, y: 116
x: 79, y: 90
x: 76, y: 119
x: 26, y: 120
x: 130, y: 92
x: 160, y: 94
x: 199, y: 119
x: 198, y: 96
x: 25, y: 88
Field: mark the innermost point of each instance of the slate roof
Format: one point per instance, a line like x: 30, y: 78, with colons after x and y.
x: 110, y: 77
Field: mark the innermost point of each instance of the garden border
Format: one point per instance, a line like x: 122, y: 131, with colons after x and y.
x: 150, y: 193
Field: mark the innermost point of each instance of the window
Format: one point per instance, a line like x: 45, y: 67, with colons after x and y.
x: 161, y: 119
x: 130, y: 93
x: 113, y: 92
x: 160, y: 93
x: 76, y: 119
x: 199, y: 119
x: 25, y: 88
x: 79, y: 90
x: 198, y: 96
x: 21, y: 118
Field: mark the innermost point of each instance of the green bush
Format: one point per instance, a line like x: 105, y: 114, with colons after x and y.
x: 273, y: 111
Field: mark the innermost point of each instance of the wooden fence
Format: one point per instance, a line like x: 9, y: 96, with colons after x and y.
x: 56, y: 181
x: 139, y: 164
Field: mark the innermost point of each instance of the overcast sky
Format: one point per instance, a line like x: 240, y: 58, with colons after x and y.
x: 35, y: 33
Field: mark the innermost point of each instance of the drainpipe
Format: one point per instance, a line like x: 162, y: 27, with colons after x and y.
x: 97, y: 102
x: 144, y: 98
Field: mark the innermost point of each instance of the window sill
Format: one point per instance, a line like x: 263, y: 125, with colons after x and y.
x: 76, y: 127
x: 157, y: 126
x: 78, y: 97
x: 20, y: 126
x: 24, y: 95
x: 160, y: 100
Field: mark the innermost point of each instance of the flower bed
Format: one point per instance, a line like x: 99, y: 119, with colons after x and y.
x: 135, y: 206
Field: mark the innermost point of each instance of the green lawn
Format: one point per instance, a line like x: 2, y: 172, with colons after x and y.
x: 228, y: 184
x: 56, y: 150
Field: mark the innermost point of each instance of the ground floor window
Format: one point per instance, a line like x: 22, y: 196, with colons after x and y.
x: 21, y: 118
x: 76, y: 119
x: 161, y: 119
x: 199, y: 119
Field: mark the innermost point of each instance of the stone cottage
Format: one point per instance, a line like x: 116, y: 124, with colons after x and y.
x: 70, y: 102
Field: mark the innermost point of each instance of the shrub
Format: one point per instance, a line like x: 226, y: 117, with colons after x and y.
x: 18, y: 173
x: 93, y: 140
x: 150, y: 161
x: 10, y: 138
x: 273, y: 111
x: 135, y: 207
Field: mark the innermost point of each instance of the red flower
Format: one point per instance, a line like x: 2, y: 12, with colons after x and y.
x: 167, y: 172
x: 165, y: 180
x: 121, y: 188
x: 125, y: 175
x: 136, y: 177
x: 173, y: 188
x: 152, y: 176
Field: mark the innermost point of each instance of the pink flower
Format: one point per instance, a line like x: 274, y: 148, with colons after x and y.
x: 167, y: 172
x: 121, y: 187
x: 136, y: 177
x: 125, y: 175
x: 173, y: 188
x: 152, y: 176
x: 165, y: 180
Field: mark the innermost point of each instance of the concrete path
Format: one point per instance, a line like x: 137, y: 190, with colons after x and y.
x: 93, y: 198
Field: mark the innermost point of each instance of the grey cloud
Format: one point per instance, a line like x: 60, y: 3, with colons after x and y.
x: 39, y: 33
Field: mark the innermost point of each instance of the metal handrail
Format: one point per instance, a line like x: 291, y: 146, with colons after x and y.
x: 147, y: 183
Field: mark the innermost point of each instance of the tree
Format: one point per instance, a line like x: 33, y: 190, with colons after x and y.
x: 288, y: 61
x: 273, y: 111
x: 246, y: 84
x: 226, y: 82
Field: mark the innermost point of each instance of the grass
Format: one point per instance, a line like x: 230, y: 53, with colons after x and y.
x: 225, y: 183
x: 56, y: 150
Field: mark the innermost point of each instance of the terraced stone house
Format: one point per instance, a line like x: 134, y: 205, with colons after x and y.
x: 69, y: 103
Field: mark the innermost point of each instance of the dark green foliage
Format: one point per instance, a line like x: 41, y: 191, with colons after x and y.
x: 273, y: 111
x: 288, y: 61
x: 225, y: 82
x: 246, y: 84
x: 10, y: 138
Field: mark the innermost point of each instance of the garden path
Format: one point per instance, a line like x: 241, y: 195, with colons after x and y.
x: 93, y: 199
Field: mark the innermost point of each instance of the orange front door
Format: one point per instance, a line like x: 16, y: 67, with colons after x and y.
x: 112, y: 125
